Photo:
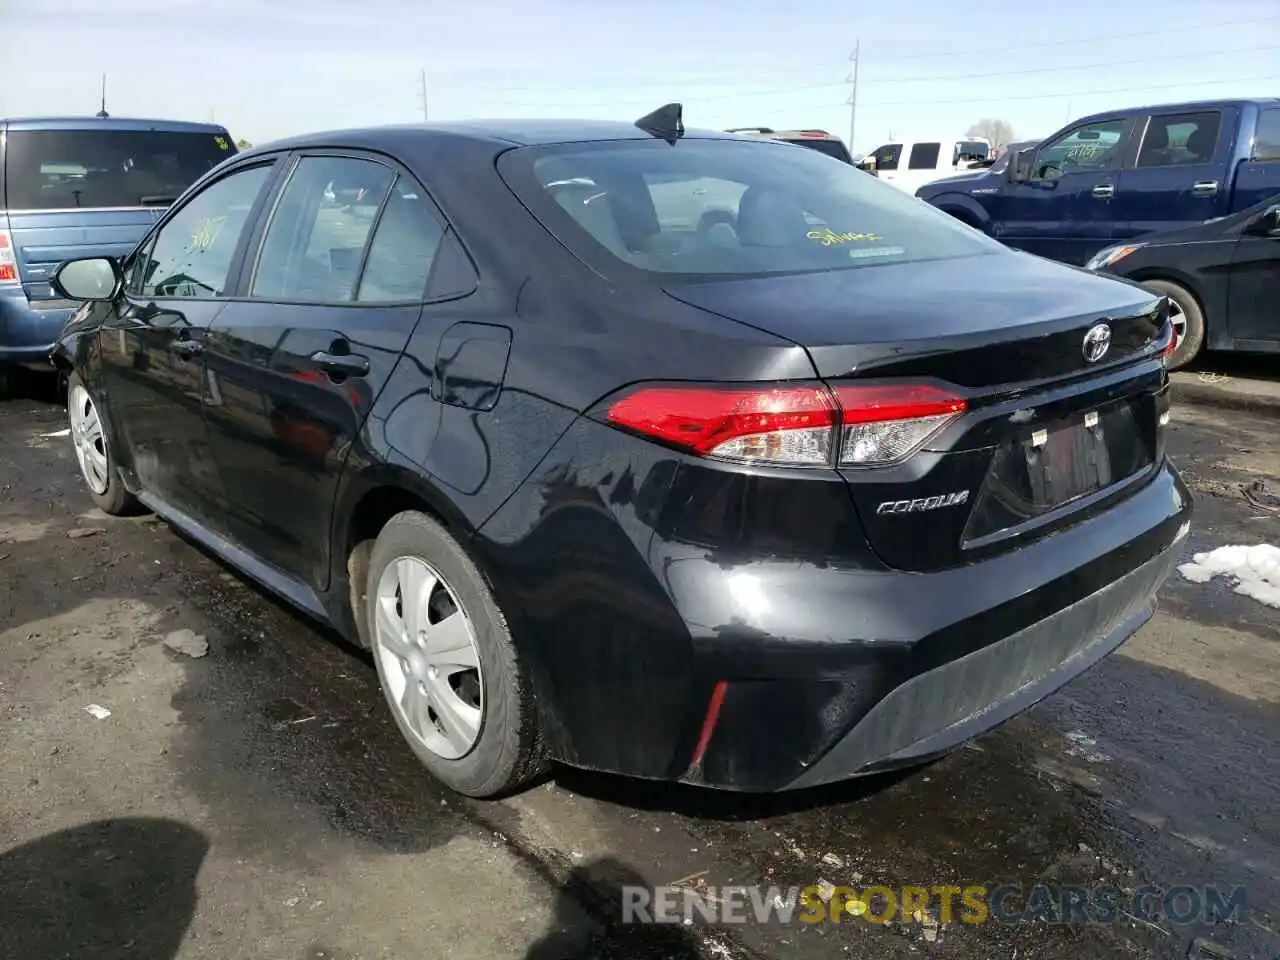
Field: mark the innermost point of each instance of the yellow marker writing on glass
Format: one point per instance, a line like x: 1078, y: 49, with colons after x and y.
x: 827, y: 237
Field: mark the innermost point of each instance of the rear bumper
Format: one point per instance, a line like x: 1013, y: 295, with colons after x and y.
x: 28, y: 331
x: 941, y: 708
x: 637, y: 611
x: 918, y: 664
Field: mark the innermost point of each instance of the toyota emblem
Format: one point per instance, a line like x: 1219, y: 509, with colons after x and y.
x: 1097, y: 342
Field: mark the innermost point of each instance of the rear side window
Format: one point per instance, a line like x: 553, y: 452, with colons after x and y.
x: 924, y: 156
x: 726, y: 207
x: 403, y: 249
x: 317, y: 235
x: 69, y: 169
x: 1180, y: 139
x: 1266, y: 142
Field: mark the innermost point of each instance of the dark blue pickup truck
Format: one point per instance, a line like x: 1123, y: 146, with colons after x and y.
x: 1120, y: 174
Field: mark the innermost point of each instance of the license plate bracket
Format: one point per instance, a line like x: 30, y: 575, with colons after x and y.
x: 1068, y: 459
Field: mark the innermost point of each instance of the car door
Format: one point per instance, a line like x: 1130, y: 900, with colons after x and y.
x: 1259, y: 176
x: 151, y: 342
x: 1253, y: 288
x: 887, y: 158
x: 1179, y: 175
x: 1063, y: 209
x: 333, y: 297
x: 923, y: 161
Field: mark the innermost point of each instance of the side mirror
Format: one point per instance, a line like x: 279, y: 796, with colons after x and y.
x: 91, y: 279
x: 1267, y: 225
x: 868, y: 164
x: 1020, y: 165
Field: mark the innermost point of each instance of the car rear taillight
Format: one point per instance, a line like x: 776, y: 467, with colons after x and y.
x: 806, y: 425
x: 8, y: 259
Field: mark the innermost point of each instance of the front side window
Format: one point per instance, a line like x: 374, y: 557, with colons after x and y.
x: 313, y: 246
x: 74, y: 169
x: 192, y: 254
x: 1180, y: 139
x: 725, y: 207
x: 1092, y: 146
x: 887, y: 156
x: 924, y: 156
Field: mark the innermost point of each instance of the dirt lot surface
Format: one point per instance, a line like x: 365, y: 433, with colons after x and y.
x: 253, y: 799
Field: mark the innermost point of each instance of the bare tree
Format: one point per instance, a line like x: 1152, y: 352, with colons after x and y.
x: 998, y: 132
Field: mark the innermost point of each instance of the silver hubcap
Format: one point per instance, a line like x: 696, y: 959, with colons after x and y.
x: 87, y: 438
x: 430, y: 661
x: 1179, y: 321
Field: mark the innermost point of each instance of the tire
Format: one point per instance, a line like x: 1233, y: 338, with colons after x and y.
x: 92, y: 450
x: 1192, y: 338
x: 475, y: 730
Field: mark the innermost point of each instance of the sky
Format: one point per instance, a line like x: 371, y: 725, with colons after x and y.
x: 927, y: 69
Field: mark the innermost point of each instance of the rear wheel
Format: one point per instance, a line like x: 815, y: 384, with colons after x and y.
x: 1187, y: 319
x: 93, y: 452
x: 447, y: 663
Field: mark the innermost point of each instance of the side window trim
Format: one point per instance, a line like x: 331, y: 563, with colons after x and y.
x: 248, y: 265
x: 237, y: 257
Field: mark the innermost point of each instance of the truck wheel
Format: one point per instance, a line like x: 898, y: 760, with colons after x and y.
x: 1187, y: 318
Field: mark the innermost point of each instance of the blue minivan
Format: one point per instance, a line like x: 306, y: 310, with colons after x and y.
x: 79, y: 187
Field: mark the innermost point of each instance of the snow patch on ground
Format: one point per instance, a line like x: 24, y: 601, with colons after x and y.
x: 1255, y: 570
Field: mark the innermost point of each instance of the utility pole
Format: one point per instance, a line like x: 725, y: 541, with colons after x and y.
x: 424, y: 95
x: 853, y: 93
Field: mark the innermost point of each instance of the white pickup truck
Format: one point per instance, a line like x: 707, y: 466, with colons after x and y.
x: 910, y: 164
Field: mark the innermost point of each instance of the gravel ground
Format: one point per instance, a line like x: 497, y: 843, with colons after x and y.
x: 248, y: 795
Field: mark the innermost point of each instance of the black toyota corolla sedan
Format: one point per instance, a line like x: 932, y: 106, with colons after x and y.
x: 825, y: 486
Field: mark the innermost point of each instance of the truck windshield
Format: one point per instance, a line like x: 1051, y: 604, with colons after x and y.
x: 725, y: 207
x: 66, y: 169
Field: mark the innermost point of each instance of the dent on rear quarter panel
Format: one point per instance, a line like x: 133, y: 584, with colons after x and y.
x: 568, y: 553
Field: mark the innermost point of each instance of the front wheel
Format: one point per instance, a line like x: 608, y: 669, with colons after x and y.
x: 1187, y: 319
x: 447, y: 663
x: 93, y: 452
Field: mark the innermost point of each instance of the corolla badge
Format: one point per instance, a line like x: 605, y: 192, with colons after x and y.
x: 1096, y: 342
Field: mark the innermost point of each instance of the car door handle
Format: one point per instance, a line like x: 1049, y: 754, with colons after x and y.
x: 185, y: 349
x: 1104, y: 191
x: 341, y: 365
x: 1204, y: 188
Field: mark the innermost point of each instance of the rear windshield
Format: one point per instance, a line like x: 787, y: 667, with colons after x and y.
x: 832, y: 148
x: 728, y: 207
x: 64, y: 169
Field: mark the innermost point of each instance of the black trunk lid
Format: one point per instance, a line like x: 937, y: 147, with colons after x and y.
x: 1053, y: 431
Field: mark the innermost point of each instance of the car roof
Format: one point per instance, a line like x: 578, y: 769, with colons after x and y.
x: 524, y: 133
x: 1188, y: 105
x: 110, y: 123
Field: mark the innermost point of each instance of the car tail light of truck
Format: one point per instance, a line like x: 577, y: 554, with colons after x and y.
x: 8, y: 259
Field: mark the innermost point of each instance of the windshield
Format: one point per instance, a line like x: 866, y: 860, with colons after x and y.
x: 65, y: 169
x: 728, y: 207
